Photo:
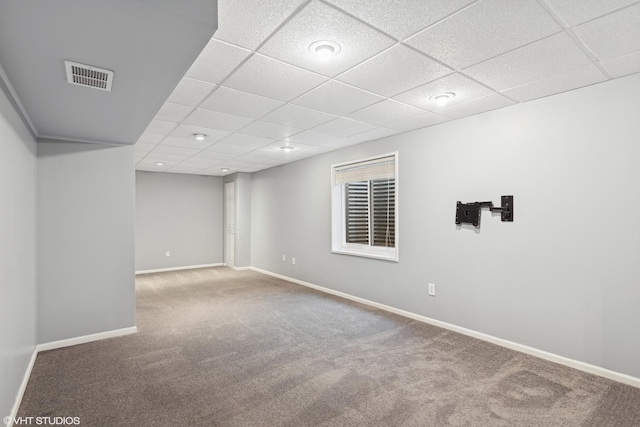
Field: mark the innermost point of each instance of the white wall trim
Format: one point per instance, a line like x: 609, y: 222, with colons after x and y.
x: 239, y: 268
x: 576, y: 364
x: 86, y: 338
x: 188, y: 267
x: 23, y: 387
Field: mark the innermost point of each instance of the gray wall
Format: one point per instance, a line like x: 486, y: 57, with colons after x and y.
x: 86, y: 219
x: 181, y: 214
x: 17, y: 251
x: 562, y: 278
x: 242, y: 246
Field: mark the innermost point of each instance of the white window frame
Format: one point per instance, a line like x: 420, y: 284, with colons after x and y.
x: 338, y: 219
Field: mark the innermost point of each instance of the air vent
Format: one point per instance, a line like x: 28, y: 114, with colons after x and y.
x: 88, y: 76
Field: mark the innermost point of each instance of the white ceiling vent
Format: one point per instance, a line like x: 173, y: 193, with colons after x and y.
x: 88, y: 76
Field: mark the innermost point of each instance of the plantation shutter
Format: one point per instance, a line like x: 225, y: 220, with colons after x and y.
x: 369, y: 201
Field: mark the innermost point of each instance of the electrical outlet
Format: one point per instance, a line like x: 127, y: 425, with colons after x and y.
x: 167, y: 253
x: 293, y: 261
x: 284, y: 257
x: 432, y: 289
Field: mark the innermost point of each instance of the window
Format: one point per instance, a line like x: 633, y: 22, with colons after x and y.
x: 364, y: 209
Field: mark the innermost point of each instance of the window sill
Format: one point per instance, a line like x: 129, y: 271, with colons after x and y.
x: 382, y: 255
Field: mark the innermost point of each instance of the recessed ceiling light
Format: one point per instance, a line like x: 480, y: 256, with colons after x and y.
x: 224, y: 169
x: 442, y: 98
x: 324, y: 48
x: 287, y: 148
x: 159, y: 164
x: 200, y: 136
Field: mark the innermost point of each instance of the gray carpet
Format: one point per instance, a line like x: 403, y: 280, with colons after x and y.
x: 218, y: 347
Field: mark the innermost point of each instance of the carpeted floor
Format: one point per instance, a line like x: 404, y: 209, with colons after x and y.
x: 219, y: 347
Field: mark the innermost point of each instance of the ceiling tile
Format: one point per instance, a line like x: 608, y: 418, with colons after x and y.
x: 188, y: 131
x: 212, y: 156
x: 216, y: 120
x: 477, y: 106
x: 148, y: 164
x: 250, y: 158
x: 214, y: 171
x: 183, y: 169
x: 267, y: 154
x: 401, y: 18
x: 143, y: 147
x: 171, y: 112
x: 165, y: 157
x: 344, y: 127
x: 558, y: 83
x: 247, y: 140
x: 273, y: 79
x: 216, y: 61
x: 231, y: 101
x: 221, y: 147
x: 312, y: 138
x: 484, y: 30
x: 372, y: 135
x: 464, y: 89
x: 537, y: 61
x: 385, y: 112
x: 160, y: 127
x: 199, y: 163
x: 151, y: 138
x: 318, y: 21
x: 264, y: 17
x: 192, y: 143
x: 337, y: 98
x: 623, y: 65
x: 574, y: 12
x: 269, y: 130
x: 170, y: 149
x: 422, y: 121
x: 298, y: 117
x: 612, y: 35
x: 190, y: 92
x: 277, y: 147
x: 396, y: 70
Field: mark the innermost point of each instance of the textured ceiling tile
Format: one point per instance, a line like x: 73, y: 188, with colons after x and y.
x: 190, y: 92
x: 231, y: 101
x: 537, y: 61
x: 372, y: 135
x: 385, y: 112
x: 480, y: 105
x: 216, y: 120
x: 248, y: 22
x: 221, y: 147
x: 267, y: 154
x: 149, y: 164
x: 169, y: 149
x: 247, y: 140
x: 401, y: 18
x: 464, y: 89
x: 171, y: 112
x: 623, y: 65
x: 394, y: 71
x: 343, y: 127
x: 318, y: 21
x: 574, y: 12
x: 166, y: 157
x: 337, y: 98
x: 184, y: 169
x: 269, y: 130
x: 212, y: 156
x: 312, y: 138
x: 423, y: 121
x: 160, y: 127
x: 216, y: 61
x: 188, y: 131
x: 151, y: 138
x: 192, y: 143
x: 143, y: 147
x: 559, y: 83
x: 297, y: 117
x: 273, y: 79
x: 612, y: 35
x: 484, y: 30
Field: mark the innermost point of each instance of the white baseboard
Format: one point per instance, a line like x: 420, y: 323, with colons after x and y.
x: 576, y: 364
x: 188, y: 267
x: 86, y: 338
x: 23, y: 387
x: 239, y: 268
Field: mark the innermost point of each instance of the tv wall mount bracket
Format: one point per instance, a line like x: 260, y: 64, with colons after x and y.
x: 469, y: 213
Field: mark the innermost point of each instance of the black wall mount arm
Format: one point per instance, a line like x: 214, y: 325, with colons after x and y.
x: 469, y: 213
